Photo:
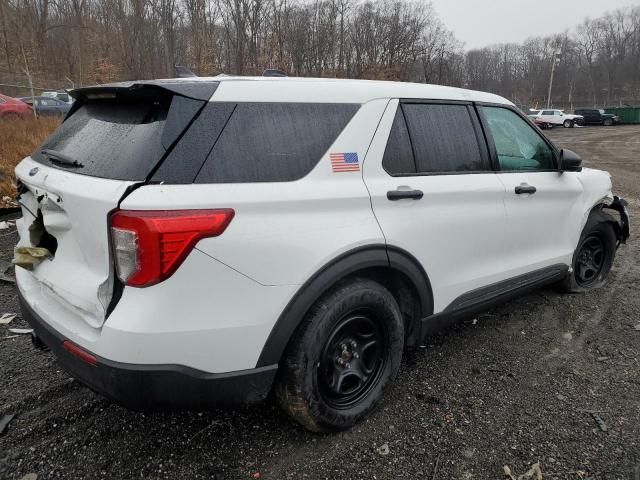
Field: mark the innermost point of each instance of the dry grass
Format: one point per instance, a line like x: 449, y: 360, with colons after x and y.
x: 18, y: 138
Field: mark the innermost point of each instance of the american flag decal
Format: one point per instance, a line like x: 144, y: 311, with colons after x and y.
x: 345, y: 162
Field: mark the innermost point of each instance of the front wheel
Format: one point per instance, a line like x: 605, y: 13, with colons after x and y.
x: 593, y: 258
x: 342, y: 357
x: 608, y: 122
x: 567, y: 124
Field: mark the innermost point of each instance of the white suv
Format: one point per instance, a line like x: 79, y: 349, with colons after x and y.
x: 213, y: 238
x: 557, y: 117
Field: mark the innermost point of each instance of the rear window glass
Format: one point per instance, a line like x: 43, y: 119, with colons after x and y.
x: 111, y: 139
x: 444, y: 139
x: 274, y: 142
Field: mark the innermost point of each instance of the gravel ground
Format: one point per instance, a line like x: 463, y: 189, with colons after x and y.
x: 527, y: 382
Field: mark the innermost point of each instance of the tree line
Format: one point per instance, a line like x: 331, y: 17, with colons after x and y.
x: 61, y: 43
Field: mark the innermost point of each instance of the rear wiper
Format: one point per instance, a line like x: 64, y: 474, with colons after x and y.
x: 61, y: 158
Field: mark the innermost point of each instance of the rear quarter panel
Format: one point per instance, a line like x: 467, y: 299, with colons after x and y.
x: 284, y: 232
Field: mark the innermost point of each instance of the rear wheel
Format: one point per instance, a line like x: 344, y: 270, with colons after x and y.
x: 568, y: 124
x: 343, y: 356
x: 593, y: 258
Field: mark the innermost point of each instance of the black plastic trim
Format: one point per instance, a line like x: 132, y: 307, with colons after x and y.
x: 196, y: 89
x: 486, y: 297
x: 619, y: 204
x: 339, y: 268
x: 148, y: 387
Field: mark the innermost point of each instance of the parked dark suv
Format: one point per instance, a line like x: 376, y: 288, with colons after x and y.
x: 593, y: 116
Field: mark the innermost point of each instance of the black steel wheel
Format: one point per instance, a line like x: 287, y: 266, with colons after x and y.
x: 590, y: 260
x: 343, y: 356
x: 594, y: 255
x: 352, y: 359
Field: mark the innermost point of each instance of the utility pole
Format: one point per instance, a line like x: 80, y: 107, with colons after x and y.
x: 556, y: 60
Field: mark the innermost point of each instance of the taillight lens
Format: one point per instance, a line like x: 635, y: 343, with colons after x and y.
x: 148, y: 246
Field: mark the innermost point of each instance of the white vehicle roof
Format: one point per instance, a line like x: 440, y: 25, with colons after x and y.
x: 331, y: 90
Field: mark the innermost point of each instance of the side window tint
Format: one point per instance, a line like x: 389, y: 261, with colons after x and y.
x: 398, y: 156
x: 444, y: 139
x: 518, y: 146
x: 274, y: 142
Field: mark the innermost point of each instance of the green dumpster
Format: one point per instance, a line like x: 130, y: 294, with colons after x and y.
x: 626, y: 114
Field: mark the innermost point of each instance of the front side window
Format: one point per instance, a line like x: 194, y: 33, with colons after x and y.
x: 518, y: 146
x: 444, y: 138
x: 547, y: 112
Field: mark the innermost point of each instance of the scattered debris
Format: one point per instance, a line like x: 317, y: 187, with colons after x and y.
x: 5, y: 225
x: 4, y: 421
x: 637, y: 327
x: 9, y: 337
x: 434, y: 475
x: 7, y: 318
x: 256, y: 475
x: 534, y: 473
x: 10, y: 202
x: 29, y: 257
x: 5, y: 278
x: 474, y: 321
x: 21, y: 331
x: 30, y: 476
x: 4, y: 267
x: 599, y: 421
x: 383, y: 449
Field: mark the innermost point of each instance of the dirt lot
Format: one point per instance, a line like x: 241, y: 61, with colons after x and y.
x: 521, y: 385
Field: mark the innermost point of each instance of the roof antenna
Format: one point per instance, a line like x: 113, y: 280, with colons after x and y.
x: 181, y: 71
x: 273, y: 72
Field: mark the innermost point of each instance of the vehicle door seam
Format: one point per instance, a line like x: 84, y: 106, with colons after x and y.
x: 365, y: 183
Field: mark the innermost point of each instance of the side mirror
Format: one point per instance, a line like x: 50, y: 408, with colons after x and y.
x: 569, y: 161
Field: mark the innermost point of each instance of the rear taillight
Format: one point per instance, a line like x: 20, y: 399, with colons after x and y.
x: 148, y: 246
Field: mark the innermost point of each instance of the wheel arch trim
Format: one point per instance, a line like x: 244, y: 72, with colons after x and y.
x: 321, y: 281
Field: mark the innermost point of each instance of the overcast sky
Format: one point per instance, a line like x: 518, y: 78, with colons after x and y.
x: 484, y: 22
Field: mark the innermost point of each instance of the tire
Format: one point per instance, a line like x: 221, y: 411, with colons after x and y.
x: 567, y: 124
x: 590, y: 269
x: 321, y: 352
x: 608, y: 122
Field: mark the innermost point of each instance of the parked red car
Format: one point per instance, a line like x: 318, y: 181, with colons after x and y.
x: 13, y: 108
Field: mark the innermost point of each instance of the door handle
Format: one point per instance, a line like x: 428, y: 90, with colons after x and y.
x: 525, y: 188
x: 394, y: 195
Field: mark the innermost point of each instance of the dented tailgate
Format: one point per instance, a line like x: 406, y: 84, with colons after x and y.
x: 74, y: 211
x: 114, y: 138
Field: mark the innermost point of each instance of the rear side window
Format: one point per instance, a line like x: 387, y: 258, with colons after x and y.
x: 274, y: 142
x: 444, y: 139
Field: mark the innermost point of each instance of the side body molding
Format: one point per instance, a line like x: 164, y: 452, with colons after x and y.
x: 348, y: 263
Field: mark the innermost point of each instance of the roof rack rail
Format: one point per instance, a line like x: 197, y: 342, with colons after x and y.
x: 273, y: 72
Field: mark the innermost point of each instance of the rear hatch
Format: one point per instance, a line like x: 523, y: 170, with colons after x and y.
x: 114, y: 139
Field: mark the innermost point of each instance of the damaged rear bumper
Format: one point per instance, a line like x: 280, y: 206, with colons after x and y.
x: 620, y: 205
x: 145, y: 387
